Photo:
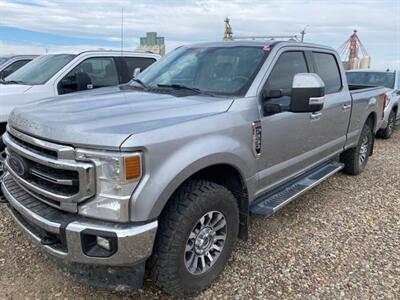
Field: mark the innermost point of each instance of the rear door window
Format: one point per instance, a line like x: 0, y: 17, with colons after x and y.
x: 327, y: 68
x: 137, y: 62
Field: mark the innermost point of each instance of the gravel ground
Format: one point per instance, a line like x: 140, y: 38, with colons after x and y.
x: 338, y: 241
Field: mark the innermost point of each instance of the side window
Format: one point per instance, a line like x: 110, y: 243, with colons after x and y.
x: 14, y: 67
x: 328, y: 70
x: 281, y: 78
x: 137, y: 62
x: 92, y: 73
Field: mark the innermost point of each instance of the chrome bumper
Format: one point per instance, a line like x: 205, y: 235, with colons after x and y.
x: 134, y: 242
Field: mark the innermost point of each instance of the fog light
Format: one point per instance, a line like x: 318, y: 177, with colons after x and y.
x: 96, y: 243
x: 103, y: 243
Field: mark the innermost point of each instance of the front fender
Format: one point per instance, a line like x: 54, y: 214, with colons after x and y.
x: 160, y: 182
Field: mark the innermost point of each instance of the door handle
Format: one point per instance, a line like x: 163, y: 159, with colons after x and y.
x: 346, y: 107
x: 315, y: 116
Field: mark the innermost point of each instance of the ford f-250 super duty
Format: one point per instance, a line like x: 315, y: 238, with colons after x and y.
x: 163, y: 173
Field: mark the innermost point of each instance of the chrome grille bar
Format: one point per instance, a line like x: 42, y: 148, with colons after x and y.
x: 58, y: 179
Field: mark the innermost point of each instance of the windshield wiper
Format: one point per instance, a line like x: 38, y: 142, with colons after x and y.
x: 13, y: 82
x: 140, y: 82
x: 183, y: 87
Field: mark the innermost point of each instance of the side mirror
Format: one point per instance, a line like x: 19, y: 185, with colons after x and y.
x: 136, y: 72
x: 308, y: 93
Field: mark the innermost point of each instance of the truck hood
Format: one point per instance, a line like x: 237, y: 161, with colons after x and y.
x: 7, y: 89
x: 105, y: 118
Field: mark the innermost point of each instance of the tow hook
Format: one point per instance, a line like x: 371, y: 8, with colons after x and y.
x: 49, y: 240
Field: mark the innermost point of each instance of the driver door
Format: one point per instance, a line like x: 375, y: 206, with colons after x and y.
x: 288, y: 139
x: 92, y: 73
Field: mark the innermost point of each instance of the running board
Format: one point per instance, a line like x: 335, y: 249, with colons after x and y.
x: 269, y: 203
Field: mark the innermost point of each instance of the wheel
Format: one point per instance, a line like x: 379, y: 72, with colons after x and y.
x: 356, y: 159
x: 388, y: 131
x: 2, y: 158
x: 195, y: 238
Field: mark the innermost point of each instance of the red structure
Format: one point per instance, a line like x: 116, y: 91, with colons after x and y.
x: 349, y: 50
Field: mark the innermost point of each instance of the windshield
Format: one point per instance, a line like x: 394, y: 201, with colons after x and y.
x: 40, y: 70
x: 214, y: 70
x: 385, y: 79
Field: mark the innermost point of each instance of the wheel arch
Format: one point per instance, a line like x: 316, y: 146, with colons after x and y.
x: 227, y: 174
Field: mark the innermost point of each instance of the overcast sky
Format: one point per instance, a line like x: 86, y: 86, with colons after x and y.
x: 59, y: 26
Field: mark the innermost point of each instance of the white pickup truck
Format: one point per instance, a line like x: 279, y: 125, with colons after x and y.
x: 59, y: 74
x: 11, y: 63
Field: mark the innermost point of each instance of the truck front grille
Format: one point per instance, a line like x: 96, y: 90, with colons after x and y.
x: 34, y: 148
x: 48, y: 171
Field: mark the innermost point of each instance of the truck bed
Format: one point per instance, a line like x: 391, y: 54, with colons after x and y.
x: 364, y: 97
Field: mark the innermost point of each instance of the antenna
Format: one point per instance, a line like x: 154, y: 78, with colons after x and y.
x: 303, y: 33
x: 122, y: 31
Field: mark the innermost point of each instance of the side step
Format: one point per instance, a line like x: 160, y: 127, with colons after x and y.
x: 274, y: 200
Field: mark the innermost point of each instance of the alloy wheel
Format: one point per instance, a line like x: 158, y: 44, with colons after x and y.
x: 391, y: 124
x: 363, y: 153
x: 205, y: 243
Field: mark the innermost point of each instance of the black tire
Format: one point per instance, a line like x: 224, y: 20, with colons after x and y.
x: 353, y: 164
x: 388, y: 131
x: 179, y: 219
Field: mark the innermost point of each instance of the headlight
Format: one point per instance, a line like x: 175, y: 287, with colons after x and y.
x: 117, y: 175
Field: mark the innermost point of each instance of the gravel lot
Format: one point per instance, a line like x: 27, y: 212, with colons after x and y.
x: 340, y: 240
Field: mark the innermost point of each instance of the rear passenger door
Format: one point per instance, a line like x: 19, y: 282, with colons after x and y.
x: 335, y: 116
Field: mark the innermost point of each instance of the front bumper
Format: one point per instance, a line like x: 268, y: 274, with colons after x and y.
x: 40, y: 221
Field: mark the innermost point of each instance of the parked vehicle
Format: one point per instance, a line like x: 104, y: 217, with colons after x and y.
x: 60, y: 74
x: 10, y: 64
x: 168, y: 169
x: 388, y: 79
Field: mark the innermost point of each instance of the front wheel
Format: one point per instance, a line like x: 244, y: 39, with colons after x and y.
x: 388, y: 131
x: 196, y: 235
x: 356, y: 159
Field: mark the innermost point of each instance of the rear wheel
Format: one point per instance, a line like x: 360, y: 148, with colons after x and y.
x: 356, y: 159
x: 388, y: 131
x: 196, y: 235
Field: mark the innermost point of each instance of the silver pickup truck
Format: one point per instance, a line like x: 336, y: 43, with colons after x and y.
x: 162, y: 174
